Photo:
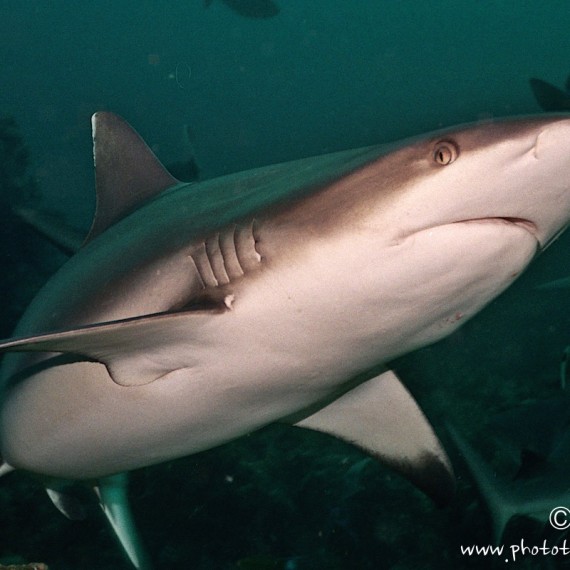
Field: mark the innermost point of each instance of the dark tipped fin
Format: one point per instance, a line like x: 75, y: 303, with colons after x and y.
x: 549, y: 97
x: 127, y: 172
x: 381, y: 417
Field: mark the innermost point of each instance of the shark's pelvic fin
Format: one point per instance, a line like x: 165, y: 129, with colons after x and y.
x: 134, y: 350
x: 68, y: 505
x: 5, y: 468
x: 127, y: 173
x: 381, y: 417
x: 112, y: 495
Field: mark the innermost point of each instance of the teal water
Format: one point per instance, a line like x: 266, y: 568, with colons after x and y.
x: 239, y: 92
x: 321, y: 76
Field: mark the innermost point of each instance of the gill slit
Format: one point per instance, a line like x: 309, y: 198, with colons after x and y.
x: 227, y: 255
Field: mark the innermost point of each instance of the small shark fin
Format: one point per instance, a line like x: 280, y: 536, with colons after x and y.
x: 494, y: 493
x: 549, y: 97
x: 127, y: 172
x: 112, y: 495
x: 136, y: 351
x: 5, y: 468
x: 68, y: 505
x: 381, y: 417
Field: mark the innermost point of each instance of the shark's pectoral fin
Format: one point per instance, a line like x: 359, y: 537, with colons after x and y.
x: 381, y: 417
x: 112, y: 495
x: 136, y: 351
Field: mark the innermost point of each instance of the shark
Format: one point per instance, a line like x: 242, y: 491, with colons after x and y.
x: 195, y: 313
x: 536, y: 438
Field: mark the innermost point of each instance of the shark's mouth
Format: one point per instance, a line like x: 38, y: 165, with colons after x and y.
x: 522, y: 223
x: 529, y: 227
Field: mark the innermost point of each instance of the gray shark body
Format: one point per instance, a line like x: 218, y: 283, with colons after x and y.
x: 196, y: 313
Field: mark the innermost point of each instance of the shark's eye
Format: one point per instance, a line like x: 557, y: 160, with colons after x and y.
x: 445, y: 152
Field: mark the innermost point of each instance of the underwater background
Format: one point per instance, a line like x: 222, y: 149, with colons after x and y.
x: 237, y: 84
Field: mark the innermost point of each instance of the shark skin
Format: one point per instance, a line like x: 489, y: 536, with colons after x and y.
x: 197, y: 313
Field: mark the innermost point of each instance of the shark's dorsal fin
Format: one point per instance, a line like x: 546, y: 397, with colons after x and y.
x: 136, y: 351
x: 381, y: 417
x: 127, y: 173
